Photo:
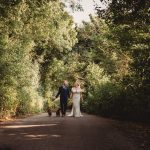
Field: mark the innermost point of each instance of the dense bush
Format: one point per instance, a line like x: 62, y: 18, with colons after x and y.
x: 102, y: 100
x: 113, y: 100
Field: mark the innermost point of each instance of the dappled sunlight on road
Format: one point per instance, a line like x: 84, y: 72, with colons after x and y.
x: 41, y: 136
x: 28, y: 126
x: 56, y: 136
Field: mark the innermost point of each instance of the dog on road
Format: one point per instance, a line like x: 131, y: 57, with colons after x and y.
x: 49, y: 111
x: 58, y: 112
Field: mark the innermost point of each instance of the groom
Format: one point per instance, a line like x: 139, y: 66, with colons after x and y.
x: 64, y: 93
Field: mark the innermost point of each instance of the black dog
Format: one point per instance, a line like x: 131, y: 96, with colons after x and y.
x: 58, y: 112
x: 49, y: 111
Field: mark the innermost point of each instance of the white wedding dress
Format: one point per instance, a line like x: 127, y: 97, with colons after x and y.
x: 76, y: 102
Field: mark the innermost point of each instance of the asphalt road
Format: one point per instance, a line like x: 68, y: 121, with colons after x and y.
x: 41, y: 132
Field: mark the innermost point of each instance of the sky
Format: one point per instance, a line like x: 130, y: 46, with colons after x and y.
x: 88, y: 6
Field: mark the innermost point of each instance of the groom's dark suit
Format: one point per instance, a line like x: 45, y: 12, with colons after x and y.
x: 64, y: 93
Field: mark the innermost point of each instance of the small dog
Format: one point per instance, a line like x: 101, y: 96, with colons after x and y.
x: 58, y: 112
x: 49, y: 111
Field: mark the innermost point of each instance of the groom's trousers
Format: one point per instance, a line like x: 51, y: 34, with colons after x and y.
x: 63, y: 105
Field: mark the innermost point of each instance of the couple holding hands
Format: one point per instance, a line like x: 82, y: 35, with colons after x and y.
x: 76, y: 96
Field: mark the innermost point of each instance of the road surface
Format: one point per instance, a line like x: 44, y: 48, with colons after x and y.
x: 41, y: 132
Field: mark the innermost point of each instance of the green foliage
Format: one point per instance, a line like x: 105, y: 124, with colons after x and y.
x: 39, y: 48
x: 53, y: 105
x: 129, y: 33
x: 96, y: 44
x: 102, y: 99
x: 26, y: 28
x: 60, y: 70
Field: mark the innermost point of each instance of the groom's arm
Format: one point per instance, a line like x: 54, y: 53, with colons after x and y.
x: 59, y: 91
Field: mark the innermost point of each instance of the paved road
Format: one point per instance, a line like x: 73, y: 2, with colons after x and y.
x: 56, y: 133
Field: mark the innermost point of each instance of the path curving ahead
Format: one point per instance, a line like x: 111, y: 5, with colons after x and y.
x: 41, y: 132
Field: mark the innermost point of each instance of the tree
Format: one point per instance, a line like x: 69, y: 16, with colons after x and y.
x: 29, y: 32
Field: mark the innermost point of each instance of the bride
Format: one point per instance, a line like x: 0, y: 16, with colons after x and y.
x: 76, y: 95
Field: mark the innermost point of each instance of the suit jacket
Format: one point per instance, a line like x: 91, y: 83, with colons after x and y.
x: 64, y: 93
